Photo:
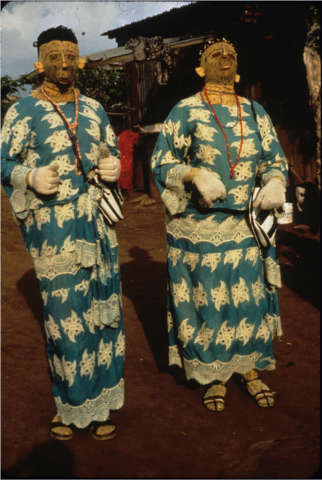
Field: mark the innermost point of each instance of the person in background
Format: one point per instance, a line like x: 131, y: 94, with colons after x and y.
x: 306, y: 207
x: 222, y: 309
x: 50, y: 142
x: 126, y: 141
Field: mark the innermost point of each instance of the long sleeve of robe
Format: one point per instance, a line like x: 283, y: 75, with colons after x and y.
x: 74, y: 252
x: 222, y: 304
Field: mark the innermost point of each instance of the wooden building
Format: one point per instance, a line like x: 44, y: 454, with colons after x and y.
x: 159, y: 55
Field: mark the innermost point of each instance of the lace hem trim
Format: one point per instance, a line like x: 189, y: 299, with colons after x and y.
x: 273, y: 272
x: 106, y: 312
x: 88, y: 254
x: 85, y: 255
x: 266, y: 177
x: 205, y: 373
x: 92, y: 410
x: 20, y: 197
x: 208, y: 230
x: 174, y: 195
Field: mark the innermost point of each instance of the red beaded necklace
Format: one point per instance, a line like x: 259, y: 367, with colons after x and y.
x: 71, y: 127
x: 232, y: 166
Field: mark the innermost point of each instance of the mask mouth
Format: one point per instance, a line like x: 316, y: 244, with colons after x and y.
x: 63, y: 73
x: 64, y: 80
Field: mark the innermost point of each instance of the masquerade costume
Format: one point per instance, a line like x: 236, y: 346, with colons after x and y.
x: 75, y: 253
x: 222, y: 307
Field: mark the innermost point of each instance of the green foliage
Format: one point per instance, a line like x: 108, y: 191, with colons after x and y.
x: 35, y: 80
x: 9, y: 86
x: 105, y: 86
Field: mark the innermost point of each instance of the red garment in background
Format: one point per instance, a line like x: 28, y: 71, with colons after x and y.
x: 126, y: 141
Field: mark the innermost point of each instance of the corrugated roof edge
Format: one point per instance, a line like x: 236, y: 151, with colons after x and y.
x: 122, y: 51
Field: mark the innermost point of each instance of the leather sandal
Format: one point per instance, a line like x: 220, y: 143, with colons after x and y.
x: 59, y: 430
x: 259, y: 391
x: 214, y: 398
x: 108, y: 430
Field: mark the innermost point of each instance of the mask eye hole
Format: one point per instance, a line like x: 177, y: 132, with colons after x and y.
x: 216, y: 54
x: 231, y: 56
x: 53, y: 56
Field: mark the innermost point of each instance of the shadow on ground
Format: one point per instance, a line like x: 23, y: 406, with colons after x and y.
x: 29, y: 287
x: 143, y: 282
x: 164, y: 431
x: 301, y: 265
x: 50, y: 456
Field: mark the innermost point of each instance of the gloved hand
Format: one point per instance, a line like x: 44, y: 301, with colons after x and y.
x: 209, y: 186
x: 45, y: 180
x: 272, y: 195
x: 109, y: 169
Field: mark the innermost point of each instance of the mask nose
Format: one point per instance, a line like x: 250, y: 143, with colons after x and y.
x: 63, y: 61
x: 224, y: 53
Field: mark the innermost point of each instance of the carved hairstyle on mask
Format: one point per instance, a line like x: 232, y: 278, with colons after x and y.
x: 61, y: 33
x: 212, y: 41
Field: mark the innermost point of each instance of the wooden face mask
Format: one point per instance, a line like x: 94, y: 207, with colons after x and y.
x: 60, y: 62
x: 219, y: 63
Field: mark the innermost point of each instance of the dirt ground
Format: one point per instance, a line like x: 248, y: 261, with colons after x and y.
x: 164, y: 431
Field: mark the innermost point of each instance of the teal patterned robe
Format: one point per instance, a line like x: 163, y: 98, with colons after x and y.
x: 222, y: 309
x: 74, y: 252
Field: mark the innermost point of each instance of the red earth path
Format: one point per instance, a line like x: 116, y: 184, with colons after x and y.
x: 164, y: 431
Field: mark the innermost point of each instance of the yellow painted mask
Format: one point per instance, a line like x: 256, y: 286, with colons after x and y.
x: 219, y: 63
x: 60, y: 62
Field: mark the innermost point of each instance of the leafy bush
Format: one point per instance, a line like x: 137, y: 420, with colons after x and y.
x: 105, y: 86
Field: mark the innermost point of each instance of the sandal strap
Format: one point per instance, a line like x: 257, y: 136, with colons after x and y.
x: 221, y: 387
x: 216, y: 400
x: 211, y: 395
x: 214, y: 397
x: 95, y: 426
x: 263, y: 394
x: 259, y: 391
x: 60, y: 435
x: 59, y: 424
x: 251, y: 380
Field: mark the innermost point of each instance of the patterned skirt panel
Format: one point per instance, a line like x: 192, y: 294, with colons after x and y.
x: 222, y: 312
x: 77, y: 265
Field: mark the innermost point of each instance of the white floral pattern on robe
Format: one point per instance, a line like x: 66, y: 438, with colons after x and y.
x: 74, y: 252
x: 222, y: 310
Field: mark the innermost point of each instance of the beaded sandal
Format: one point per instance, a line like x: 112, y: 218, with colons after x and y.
x: 260, y: 392
x: 214, y: 398
x: 59, y: 430
x: 103, y: 430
